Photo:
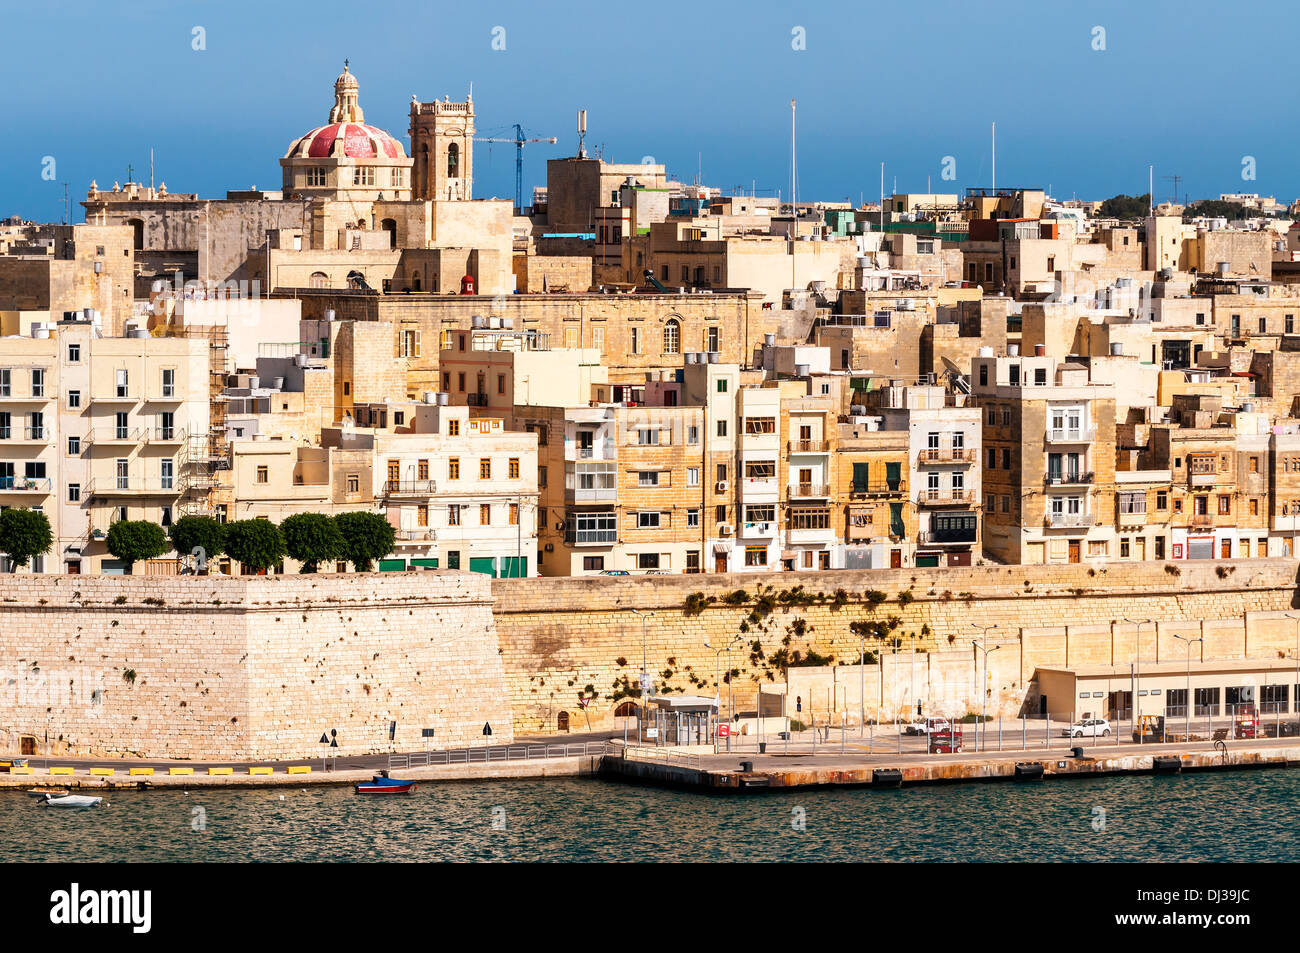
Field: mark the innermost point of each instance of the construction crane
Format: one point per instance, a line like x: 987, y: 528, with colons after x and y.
x: 519, y: 142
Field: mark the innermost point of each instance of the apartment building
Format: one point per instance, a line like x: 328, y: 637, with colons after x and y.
x: 461, y: 492
x: 95, y: 429
x: 872, y: 495
x: 1049, y: 459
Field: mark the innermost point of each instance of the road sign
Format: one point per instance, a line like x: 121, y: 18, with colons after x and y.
x: 652, y: 732
x: 426, y: 732
x: 724, y: 731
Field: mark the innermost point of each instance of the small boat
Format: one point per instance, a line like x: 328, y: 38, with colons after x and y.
x: 382, y: 784
x: 68, y: 800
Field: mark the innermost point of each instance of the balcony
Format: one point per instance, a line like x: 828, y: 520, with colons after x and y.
x: 808, y: 491
x: 760, y: 488
x: 816, y: 529
x: 1202, y: 520
x: 17, y: 486
x: 1207, y: 478
x: 1132, y: 517
x: 9, y: 397
x: 25, y: 435
x: 417, y: 534
x: 132, y: 486
x: 415, y: 488
x: 759, y: 530
x: 808, y: 446
x: 1069, y: 520
x: 878, y: 487
x: 115, y: 436
x: 165, y: 397
x: 591, y: 494
x: 1072, y: 435
x: 944, y: 496
x: 591, y: 537
x: 941, y: 537
x: 1069, y: 479
x: 165, y: 435
x: 945, y: 456
x: 117, y: 397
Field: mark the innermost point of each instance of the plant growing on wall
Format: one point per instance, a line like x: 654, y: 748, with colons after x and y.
x: 312, y: 538
x: 198, y: 532
x: 24, y: 533
x: 366, y: 538
x: 134, y: 540
x: 256, y: 544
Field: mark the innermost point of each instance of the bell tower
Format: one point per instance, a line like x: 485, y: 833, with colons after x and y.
x: 442, y: 145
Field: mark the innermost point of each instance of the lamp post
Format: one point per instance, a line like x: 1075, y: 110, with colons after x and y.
x: 1188, y: 642
x: 1295, y: 705
x: 645, y: 674
x: 983, y: 692
x: 1137, y: 670
x: 717, y: 681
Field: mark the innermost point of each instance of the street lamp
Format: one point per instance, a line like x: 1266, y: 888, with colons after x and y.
x: 984, y: 687
x: 717, y: 679
x: 645, y: 674
x: 1295, y: 705
x: 1188, y: 642
x: 1137, y: 670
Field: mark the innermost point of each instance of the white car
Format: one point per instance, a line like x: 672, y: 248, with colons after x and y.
x: 1088, y: 727
x: 925, y: 726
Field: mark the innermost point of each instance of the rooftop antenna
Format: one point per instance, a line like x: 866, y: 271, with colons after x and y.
x: 995, y: 158
x: 582, y: 133
x: 1175, y: 179
x: 794, y: 175
x: 1151, y: 190
x: 151, y: 168
x: 65, y: 203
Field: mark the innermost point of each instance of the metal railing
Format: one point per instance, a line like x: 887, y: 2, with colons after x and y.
x: 410, y: 487
x: 942, y: 495
x: 808, y: 490
x: 667, y: 755
x: 25, y: 484
x: 946, y: 455
x: 1069, y: 520
x: 1072, y: 435
x: 1069, y: 478
x: 803, y: 446
x: 878, y: 486
x: 503, y: 753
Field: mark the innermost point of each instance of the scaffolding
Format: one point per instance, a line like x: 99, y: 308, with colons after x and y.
x: 205, y: 456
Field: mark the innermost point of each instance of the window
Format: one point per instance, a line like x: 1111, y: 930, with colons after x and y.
x: 760, y: 425
x: 501, y: 383
x: 693, y: 517
x: 453, y: 426
x: 722, y: 385
x: 453, y: 518
x: 168, y: 382
x: 647, y: 437
x: 453, y: 161
x: 692, y: 476
x: 755, y: 555
x: 541, y: 476
x: 760, y: 513
x: 422, y: 469
x: 74, y: 353
x: 514, y: 514
x: 5, y: 382
x: 485, y: 514
x: 636, y: 341
x: 363, y: 175
x: 1124, y: 548
x: 1263, y: 325
x: 1162, y: 500
x: 513, y: 468
x: 672, y: 336
x: 722, y: 428
x: 453, y: 468
x: 74, y: 492
x: 1006, y: 458
x: 422, y: 515
x: 315, y: 176
x: 1225, y: 505
x: 38, y: 382
x: 593, y: 563
x: 485, y: 468
x: 263, y: 475
x: 760, y: 469
x: 647, y: 561
x: 720, y: 513
x: 721, y: 472
x: 692, y: 560
x: 167, y: 473
x: 1132, y: 503
x: 1289, y: 323
x: 74, y: 399
x: 810, y: 519
x: 993, y: 459
x: 354, y: 483
x: 648, y: 478
x: 647, y: 520
x: 74, y: 446
x: 713, y: 339
x: 408, y: 344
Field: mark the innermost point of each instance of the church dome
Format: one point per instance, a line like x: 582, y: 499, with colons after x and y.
x: 355, y: 140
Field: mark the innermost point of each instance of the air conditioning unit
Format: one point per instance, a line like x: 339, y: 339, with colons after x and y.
x: 722, y: 486
x: 725, y: 529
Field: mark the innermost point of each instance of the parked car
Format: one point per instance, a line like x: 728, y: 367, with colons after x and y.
x: 7, y: 763
x: 926, y: 726
x: 1088, y: 727
x: 613, y: 572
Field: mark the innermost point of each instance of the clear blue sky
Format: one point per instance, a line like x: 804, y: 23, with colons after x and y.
x: 1191, y: 87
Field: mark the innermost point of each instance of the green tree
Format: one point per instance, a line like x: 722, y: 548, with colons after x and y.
x: 24, y: 533
x: 312, y: 538
x: 257, y: 544
x: 133, y: 540
x: 199, y: 532
x: 366, y: 537
x: 1126, y: 206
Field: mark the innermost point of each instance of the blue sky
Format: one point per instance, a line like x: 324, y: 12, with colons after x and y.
x: 1190, y: 87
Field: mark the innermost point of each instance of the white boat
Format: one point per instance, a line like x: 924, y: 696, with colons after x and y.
x: 69, y: 800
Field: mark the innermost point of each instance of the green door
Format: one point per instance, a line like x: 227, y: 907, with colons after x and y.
x: 392, y: 565
x: 893, y: 475
x: 424, y: 563
x: 486, y: 565
x: 927, y: 560
x: 512, y: 567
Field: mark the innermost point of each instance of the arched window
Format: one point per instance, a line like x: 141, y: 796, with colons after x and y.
x: 319, y: 279
x: 625, y: 710
x: 453, y: 161
x: 562, y: 721
x: 389, y: 225
x: 672, y: 337
x: 137, y: 228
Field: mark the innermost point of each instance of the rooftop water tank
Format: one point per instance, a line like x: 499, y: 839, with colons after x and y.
x: 986, y: 352
x: 769, y: 340
x: 329, y: 314
x: 443, y: 398
x: 1116, y: 349
x: 1013, y: 350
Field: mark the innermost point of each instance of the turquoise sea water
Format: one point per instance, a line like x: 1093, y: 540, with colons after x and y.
x: 1227, y: 816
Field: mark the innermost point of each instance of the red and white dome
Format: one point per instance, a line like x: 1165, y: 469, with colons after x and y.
x: 353, y: 140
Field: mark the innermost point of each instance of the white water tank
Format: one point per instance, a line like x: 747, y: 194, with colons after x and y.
x: 430, y: 397
x: 985, y: 352
x: 1116, y: 349
x: 1013, y: 350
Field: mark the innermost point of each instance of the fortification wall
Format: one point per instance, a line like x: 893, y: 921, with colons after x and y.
x: 572, y: 636
x: 249, y: 667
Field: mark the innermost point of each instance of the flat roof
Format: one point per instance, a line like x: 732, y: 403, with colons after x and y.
x: 1149, y: 667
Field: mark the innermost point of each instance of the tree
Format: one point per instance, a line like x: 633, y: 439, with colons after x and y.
x: 24, y: 533
x: 133, y: 540
x: 312, y: 538
x: 199, y: 532
x: 366, y: 537
x: 1126, y: 206
x: 256, y: 544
